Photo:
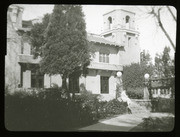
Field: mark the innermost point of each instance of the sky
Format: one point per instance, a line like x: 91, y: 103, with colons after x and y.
x: 151, y: 37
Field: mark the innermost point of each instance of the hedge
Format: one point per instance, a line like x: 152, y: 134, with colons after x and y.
x: 47, y: 110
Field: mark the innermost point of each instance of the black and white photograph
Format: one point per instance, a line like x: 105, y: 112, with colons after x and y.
x: 90, y: 68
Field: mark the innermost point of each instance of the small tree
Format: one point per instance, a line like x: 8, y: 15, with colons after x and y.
x: 164, y: 65
x: 65, y: 50
x: 145, y: 58
x: 133, y: 75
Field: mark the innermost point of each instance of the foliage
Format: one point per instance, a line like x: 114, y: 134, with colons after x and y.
x: 101, y: 109
x: 145, y: 58
x: 165, y: 105
x: 61, y: 42
x: 135, y: 93
x: 37, y: 36
x: 133, y: 75
x: 47, y: 110
x: 65, y: 50
x: 164, y: 65
x: 114, y: 107
x: 158, y: 124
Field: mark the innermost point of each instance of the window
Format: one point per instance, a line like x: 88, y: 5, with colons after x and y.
x: 129, y: 41
x: 110, y: 22
x: 22, y: 47
x: 37, y: 81
x: 127, y: 19
x: 104, y: 57
x: 104, y: 85
x: 74, y: 84
x: 10, y: 9
x: 127, y: 22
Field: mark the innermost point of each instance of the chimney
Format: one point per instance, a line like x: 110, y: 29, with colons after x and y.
x: 16, y: 12
x: 19, y: 17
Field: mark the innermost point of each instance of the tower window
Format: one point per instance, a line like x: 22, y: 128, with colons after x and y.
x: 129, y: 40
x: 127, y: 21
x: 110, y: 22
x: 104, y: 55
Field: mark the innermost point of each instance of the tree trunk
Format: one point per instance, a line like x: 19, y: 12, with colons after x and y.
x: 71, y: 85
x: 64, y: 86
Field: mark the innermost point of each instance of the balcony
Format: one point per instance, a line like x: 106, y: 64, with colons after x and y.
x: 28, y: 59
x: 105, y: 66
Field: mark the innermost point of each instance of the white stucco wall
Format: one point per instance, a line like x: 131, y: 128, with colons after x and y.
x: 93, y: 84
x: 56, y: 79
x: 12, y: 67
x: 113, y: 59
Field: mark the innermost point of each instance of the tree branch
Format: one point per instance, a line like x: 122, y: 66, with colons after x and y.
x: 157, y: 15
x: 171, y: 13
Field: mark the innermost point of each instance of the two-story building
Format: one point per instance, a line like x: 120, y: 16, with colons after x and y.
x: 117, y: 46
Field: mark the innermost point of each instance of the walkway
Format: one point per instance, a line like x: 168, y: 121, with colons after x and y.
x: 121, y: 123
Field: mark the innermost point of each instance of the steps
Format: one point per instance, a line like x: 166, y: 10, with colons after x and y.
x: 136, y: 108
x: 133, y: 106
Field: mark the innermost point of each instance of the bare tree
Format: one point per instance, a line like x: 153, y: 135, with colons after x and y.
x: 156, y: 12
x: 172, y: 14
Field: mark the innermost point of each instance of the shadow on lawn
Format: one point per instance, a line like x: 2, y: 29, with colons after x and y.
x: 163, y: 124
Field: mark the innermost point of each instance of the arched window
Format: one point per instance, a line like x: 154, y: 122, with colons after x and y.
x: 104, y: 56
x: 129, y: 41
x: 127, y: 22
x: 110, y: 22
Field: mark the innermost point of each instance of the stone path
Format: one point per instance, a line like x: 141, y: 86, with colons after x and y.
x: 121, y: 123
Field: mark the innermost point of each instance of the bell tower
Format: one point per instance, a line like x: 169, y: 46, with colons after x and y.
x: 119, y: 27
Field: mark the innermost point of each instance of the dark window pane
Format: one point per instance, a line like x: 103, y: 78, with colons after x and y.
x: 37, y: 81
x: 74, y: 84
x: 104, y: 85
x: 103, y: 57
x: 107, y: 59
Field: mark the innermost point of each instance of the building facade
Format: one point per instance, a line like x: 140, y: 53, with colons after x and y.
x: 117, y: 46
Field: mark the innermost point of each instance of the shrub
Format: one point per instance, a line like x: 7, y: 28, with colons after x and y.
x: 47, y: 110
x: 112, y: 107
x: 166, y: 105
x: 135, y: 93
x: 90, y: 103
x: 33, y: 112
x: 133, y: 75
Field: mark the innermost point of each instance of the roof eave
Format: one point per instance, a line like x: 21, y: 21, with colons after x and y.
x: 116, y: 45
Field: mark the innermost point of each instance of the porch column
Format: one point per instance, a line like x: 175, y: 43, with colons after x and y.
x: 27, y: 79
x: 98, y: 81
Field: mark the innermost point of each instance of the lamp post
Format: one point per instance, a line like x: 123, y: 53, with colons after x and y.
x: 119, y: 87
x: 146, y: 92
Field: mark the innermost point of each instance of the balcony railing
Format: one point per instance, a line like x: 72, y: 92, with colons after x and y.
x: 28, y: 59
x: 105, y: 66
